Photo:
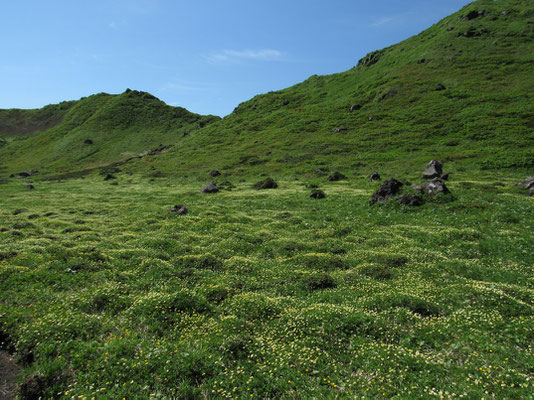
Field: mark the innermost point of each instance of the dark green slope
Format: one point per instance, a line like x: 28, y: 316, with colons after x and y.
x: 461, y: 91
x: 94, y: 131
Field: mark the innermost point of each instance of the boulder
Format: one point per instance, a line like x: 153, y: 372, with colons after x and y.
x: 531, y: 191
x: 527, y: 183
x: 445, y: 177
x: 410, y: 200
x: 179, y: 209
x: 29, y: 187
x: 434, y: 169
x: 88, y: 141
x: 317, y: 194
x: 355, y: 107
x: 24, y: 174
x: 336, y: 176
x: 214, y: 173
x: 434, y: 187
x: 417, y: 188
x: 388, y: 189
x: 268, y: 183
x: 109, y: 177
x: 339, y: 129
x: 210, y: 188
x: 375, y: 176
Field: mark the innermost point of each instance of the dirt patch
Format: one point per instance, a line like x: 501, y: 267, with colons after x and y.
x: 9, y: 372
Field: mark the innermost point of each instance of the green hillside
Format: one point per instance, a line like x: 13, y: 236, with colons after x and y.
x: 483, y: 116
x: 94, y: 131
x: 460, y: 91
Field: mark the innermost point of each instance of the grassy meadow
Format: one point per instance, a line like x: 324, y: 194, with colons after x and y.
x: 267, y: 294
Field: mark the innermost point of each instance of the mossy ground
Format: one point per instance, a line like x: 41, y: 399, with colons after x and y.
x: 268, y: 294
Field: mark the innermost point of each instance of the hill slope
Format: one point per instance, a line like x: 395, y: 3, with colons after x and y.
x: 93, y: 131
x: 460, y: 91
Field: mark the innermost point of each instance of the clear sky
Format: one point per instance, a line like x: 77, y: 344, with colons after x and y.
x: 204, y: 55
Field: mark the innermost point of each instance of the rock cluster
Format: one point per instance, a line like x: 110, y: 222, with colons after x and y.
x: 528, y: 184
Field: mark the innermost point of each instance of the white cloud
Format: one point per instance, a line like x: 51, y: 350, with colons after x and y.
x: 390, y: 18
x: 229, y: 56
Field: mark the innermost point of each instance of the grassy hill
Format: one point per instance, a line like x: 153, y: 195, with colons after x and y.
x: 460, y: 91
x: 94, y: 131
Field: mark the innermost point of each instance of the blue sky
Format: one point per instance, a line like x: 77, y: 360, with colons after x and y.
x: 204, y: 55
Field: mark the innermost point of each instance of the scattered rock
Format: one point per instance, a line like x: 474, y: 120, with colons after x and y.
x: 434, y: 187
x: 471, y: 32
x: 531, y: 191
x: 527, y: 183
x: 440, y: 86
x: 434, y: 169
x: 505, y: 12
x: 19, y: 211
x: 355, y: 107
x: 161, y: 149
x: 319, y: 171
x: 88, y: 141
x: 409, y: 200
x: 214, y: 173
x: 210, y: 188
x: 421, y: 61
x: 179, y: 209
x: 370, y: 59
x: 109, y: 177
x: 268, y: 183
x: 12, y: 175
x: 317, y: 194
x: 388, y: 189
x: 417, y: 188
x: 339, y: 129
x: 450, y: 28
x: 375, y: 176
x: 29, y: 187
x: 445, y: 177
x: 24, y: 174
x: 474, y: 14
x: 336, y: 176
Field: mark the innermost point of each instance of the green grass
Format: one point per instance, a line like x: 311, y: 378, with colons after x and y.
x: 268, y: 293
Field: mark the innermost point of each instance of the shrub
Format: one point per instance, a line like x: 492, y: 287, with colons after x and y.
x: 319, y: 281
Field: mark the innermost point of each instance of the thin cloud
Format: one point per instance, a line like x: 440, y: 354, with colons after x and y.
x: 388, y: 19
x: 229, y: 56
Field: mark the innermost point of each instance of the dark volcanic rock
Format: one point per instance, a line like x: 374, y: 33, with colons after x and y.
x: 109, y: 177
x: 370, y: 59
x: 375, y: 176
x: 179, y: 209
x: 88, y: 141
x: 409, y: 200
x: 339, y: 129
x: 434, y: 187
x: 388, y: 189
x: 210, y: 188
x: 268, y: 183
x: 528, y: 183
x: 317, y: 194
x: 214, y: 173
x: 336, y: 176
x: 434, y: 169
x: 29, y: 187
x: 355, y: 107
